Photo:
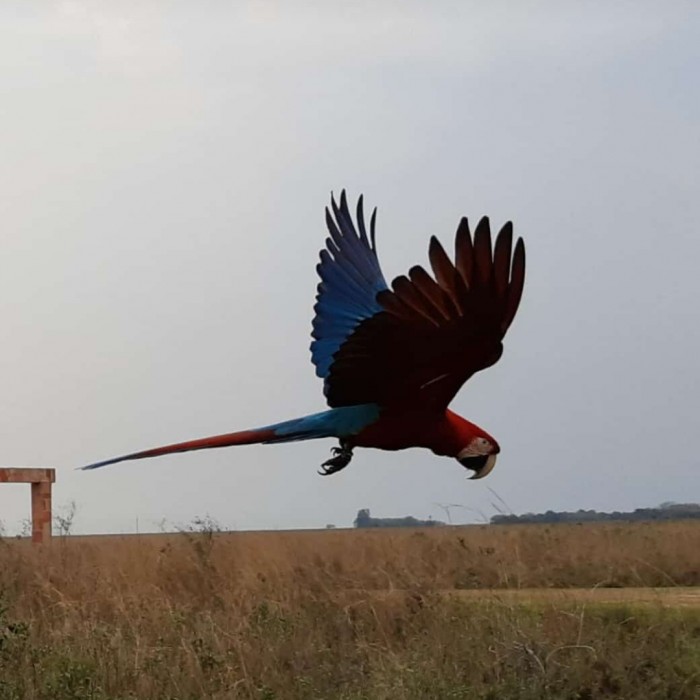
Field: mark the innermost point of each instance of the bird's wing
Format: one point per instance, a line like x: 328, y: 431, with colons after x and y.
x: 428, y: 335
x: 350, y: 281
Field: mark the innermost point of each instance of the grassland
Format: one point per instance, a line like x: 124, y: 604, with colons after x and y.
x: 439, y: 613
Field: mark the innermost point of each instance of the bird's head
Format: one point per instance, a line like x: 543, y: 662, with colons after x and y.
x: 476, y: 449
x: 479, y: 456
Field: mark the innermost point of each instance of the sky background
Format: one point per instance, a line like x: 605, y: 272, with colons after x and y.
x: 163, y: 172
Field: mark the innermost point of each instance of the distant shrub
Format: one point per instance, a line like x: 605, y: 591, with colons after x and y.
x: 666, y: 511
x: 364, y: 519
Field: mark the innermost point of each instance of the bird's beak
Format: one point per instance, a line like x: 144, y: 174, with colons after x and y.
x: 481, y: 466
x: 486, y: 469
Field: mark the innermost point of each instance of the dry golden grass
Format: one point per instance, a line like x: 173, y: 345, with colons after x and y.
x: 349, y: 614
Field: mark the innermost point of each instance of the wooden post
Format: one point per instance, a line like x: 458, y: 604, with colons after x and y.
x: 41, y: 480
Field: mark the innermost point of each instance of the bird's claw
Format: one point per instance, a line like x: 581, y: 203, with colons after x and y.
x: 342, y: 458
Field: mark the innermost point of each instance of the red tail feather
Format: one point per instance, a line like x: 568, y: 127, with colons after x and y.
x: 244, y: 437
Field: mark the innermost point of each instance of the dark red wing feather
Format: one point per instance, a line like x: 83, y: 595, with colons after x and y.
x: 515, y: 289
x: 501, y: 258
x: 445, y: 272
x: 433, y: 334
x: 482, y: 251
x: 410, y: 295
x: 431, y: 291
x: 464, y: 251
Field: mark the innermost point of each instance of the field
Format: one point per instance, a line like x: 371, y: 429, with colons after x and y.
x: 492, y: 612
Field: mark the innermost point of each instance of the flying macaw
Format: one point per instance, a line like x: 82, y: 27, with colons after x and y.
x: 391, y: 360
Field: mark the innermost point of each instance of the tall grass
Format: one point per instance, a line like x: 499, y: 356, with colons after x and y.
x: 346, y: 614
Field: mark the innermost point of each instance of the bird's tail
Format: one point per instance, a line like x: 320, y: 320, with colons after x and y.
x: 318, y: 425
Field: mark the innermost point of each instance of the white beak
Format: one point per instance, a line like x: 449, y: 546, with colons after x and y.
x: 486, y: 469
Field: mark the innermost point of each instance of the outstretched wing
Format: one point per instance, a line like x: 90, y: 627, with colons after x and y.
x: 350, y: 281
x: 427, y: 336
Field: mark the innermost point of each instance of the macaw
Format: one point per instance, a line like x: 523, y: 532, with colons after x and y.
x: 392, y: 359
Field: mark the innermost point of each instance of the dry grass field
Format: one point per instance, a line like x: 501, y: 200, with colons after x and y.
x: 435, y: 613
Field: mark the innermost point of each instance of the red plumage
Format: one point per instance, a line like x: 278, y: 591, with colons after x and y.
x: 392, y: 359
x: 433, y: 334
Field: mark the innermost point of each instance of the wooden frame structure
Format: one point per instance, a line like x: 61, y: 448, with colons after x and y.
x: 41, y: 480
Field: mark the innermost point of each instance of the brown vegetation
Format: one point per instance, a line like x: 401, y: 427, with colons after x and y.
x: 348, y: 614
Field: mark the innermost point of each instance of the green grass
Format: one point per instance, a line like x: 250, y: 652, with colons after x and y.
x: 208, y: 616
x: 416, y: 647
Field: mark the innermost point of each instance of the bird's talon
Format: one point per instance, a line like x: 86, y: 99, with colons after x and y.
x: 343, y: 455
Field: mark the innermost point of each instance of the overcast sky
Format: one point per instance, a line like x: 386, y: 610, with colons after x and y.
x: 164, y: 168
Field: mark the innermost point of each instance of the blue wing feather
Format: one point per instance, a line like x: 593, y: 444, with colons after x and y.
x: 331, y: 270
x: 338, y: 422
x: 351, y: 278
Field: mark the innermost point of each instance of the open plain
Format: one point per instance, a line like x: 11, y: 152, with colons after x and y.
x: 565, y: 611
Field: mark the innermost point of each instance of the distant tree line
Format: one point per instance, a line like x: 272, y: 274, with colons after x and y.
x: 666, y: 511
x: 364, y: 519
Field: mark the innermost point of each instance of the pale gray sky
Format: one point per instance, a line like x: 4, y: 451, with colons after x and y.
x: 164, y: 168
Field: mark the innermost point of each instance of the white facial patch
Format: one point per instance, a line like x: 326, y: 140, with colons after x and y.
x: 476, y: 448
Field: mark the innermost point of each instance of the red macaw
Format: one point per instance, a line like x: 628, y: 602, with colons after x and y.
x: 391, y: 360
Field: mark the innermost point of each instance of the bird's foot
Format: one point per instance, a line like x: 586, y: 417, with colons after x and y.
x: 343, y: 455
